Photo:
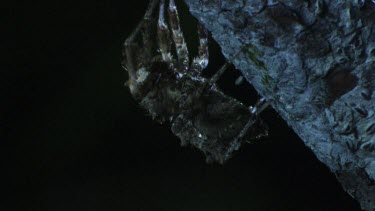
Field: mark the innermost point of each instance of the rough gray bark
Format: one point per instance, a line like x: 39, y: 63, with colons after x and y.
x: 315, y: 61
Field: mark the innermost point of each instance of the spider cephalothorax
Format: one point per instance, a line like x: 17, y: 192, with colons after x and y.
x: 172, y: 89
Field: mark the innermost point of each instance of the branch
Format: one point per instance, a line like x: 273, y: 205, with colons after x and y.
x: 315, y: 61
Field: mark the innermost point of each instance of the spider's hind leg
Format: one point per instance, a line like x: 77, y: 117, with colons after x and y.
x: 260, y: 106
x: 211, y: 82
x: 221, y: 71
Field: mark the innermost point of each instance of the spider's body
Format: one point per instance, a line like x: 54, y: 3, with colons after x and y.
x: 173, y: 89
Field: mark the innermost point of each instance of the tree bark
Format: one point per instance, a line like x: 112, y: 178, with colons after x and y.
x: 315, y: 61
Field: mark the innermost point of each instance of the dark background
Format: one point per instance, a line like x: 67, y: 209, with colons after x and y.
x: 72, y: 138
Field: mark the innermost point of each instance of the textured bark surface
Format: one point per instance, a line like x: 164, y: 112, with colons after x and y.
x: 315, y: 60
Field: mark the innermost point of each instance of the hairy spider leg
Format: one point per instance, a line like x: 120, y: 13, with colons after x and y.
x: 131, y: 48
x: 164, y: 39
x: 208, y: 84
x: 199, y: 63
x: 178, y: 37
x: 220, y: 72
x: 147, y: 32
x: 260, y: 106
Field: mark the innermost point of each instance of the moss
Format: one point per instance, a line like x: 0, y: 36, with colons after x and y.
x: 267, y: 80
x: 253, y: 54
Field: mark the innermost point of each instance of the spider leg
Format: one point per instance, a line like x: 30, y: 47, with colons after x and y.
x: 131, y: 48
x: 199, y: 63
x: 178, y: 37
x: 147, y: 30
x: 220, y: 72
x: 164, y: 39
x: 255, y: 111
x: 208, y: 84
x: 261, y: 105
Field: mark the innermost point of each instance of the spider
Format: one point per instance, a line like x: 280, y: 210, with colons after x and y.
x: 171, y: 88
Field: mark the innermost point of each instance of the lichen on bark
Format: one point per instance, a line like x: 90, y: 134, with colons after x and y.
x: 315, y: 61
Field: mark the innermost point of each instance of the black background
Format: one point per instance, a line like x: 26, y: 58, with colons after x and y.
x: 72, y: 138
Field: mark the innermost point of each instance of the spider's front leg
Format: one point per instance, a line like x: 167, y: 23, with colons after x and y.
x: 148, y: 31
x: 199, y: 63
x: 178, y: 37
x: 132, y: 53
x: 164, y: 40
